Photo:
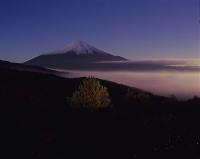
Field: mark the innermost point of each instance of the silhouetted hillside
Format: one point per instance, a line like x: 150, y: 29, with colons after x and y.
x: 23, y: 67
x: 37, y: 122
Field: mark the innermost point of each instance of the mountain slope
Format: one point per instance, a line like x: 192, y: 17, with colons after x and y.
x: 77, y: 53
x: 23, y: 67
x: 37, y: 122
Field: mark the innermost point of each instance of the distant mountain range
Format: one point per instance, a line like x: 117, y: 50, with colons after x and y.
x: 77, y: 54
x: 80, y: 55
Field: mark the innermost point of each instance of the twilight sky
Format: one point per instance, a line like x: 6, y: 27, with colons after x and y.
x: 135, y: 29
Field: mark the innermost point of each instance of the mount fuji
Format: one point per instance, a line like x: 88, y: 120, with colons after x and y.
x: 75, y: 55
x: 79, y: 47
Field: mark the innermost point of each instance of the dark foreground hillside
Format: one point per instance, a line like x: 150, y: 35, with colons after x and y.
x: 37, y: 122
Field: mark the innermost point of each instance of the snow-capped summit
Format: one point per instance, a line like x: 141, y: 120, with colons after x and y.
x: 79, y: 47
x: 76, y: 55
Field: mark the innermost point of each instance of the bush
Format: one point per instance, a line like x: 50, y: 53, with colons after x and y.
x: 140, y: 98
x: 90, y: 95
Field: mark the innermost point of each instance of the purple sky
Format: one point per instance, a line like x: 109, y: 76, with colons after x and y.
x: 130, y: 28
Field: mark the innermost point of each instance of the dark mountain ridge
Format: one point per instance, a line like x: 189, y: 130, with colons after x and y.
x: 24, y: 67
x: 38, y: 122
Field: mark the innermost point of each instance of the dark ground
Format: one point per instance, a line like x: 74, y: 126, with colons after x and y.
x: 37, y: 122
